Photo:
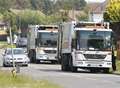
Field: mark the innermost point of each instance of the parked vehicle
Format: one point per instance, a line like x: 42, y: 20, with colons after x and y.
x: 19, y: 57
x: 21, y: 42
x: 85, y: 45
x: 42, y: 43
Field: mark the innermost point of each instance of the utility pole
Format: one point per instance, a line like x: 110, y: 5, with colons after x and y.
x: 11, y: 41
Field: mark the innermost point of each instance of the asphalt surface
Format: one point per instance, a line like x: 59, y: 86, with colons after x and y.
x: 80, y: 79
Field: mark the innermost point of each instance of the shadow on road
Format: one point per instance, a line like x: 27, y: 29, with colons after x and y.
x: 50, y: 70
x: 79, y: 71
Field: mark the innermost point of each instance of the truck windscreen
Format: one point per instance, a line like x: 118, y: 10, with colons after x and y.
x: 47, y: 39
x: 94, y: 40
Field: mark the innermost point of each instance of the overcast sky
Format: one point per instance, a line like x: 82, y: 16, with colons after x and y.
x: 95, y: 0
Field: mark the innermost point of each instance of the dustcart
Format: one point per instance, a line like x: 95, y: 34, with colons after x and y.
x: 42, y: 43
x: 86, y: 45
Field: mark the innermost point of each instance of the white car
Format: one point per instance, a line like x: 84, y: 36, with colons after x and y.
x: 19, y: 55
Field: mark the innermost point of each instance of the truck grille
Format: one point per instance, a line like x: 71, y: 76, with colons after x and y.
x: 94, y: 56
x: 94, y: 62
x: 50, y: 51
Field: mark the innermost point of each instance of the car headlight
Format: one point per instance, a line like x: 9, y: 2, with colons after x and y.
x: 27, y: 59
x: 8, y: 58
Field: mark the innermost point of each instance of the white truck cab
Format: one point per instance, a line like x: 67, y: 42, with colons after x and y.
x: 85, y: 45
x: 42, y: 43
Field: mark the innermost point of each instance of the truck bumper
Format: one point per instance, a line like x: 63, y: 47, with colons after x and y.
x: 98, y: 64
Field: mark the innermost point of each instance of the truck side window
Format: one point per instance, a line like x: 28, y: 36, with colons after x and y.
x: 36, y: 42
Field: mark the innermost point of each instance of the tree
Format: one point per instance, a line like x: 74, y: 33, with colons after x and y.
x: 10, y: 19
x: 70, y: 4
x: 28, y: 17
x: 5, y: 5
x: 83, y: 16
x: 47, y: 7
x: 21, y: 4
x: 36, y: 4
x: 65, y: 6
x: 113, y: 11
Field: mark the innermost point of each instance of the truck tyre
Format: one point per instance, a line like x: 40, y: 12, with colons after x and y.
x: 95, y: 70
x: 4, y: 65
x: 32, y: 55
x: 37, y: 61
x: 54, y: 62
x: 65, y: 63
x: 92, y: 70
x: 72, y: 68
x: 59, y: 61
x: 106, y: 70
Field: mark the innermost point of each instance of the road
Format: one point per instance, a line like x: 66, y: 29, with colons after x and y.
x: 81, y: 79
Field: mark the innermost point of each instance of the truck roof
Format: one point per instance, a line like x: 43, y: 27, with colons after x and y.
x: 44, y: 27
x: 94, y: 29
x: 99, y: 25
x: 47, y: 31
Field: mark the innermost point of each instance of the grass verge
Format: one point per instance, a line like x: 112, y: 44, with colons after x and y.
x: 118, y: 65
x: 5, y: 45
x: 8, y: 81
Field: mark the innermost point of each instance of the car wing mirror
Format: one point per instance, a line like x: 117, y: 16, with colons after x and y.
x: 25, y: 52
x: 3, y: 54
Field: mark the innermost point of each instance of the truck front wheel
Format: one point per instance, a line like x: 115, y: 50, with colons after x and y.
x: 72, y: 68
x: 106, y: 70
x: 32, y: 55
x: 65, y: 63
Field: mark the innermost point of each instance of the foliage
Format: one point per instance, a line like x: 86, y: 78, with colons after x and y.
x: 5, y: 5
x: 64, y: 6
x: 1, y: 16
x: 70, y: 4
x: 118, y: 64
x: 113, y: 11
x: 27, y: 17
x: 82, y: 16
x: 21, y: 4
x: 49, y: 11
x: 46, y: 6
x: 10, y: 19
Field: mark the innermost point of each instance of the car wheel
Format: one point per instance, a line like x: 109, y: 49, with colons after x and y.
x: 4, y: 65
x: 26, y: 65
x: 37, y: 61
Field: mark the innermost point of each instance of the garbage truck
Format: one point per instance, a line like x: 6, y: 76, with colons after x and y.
x: 86, y: 45
x: 42, y: 43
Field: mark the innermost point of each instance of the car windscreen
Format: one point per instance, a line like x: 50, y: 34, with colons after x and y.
x: 15, y: 51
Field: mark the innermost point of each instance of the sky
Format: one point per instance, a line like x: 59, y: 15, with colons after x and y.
x: 94, y: 0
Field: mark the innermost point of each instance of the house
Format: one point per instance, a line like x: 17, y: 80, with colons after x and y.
x: 3, y: 26
x: 96, y: 11
x: 3, y: 33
